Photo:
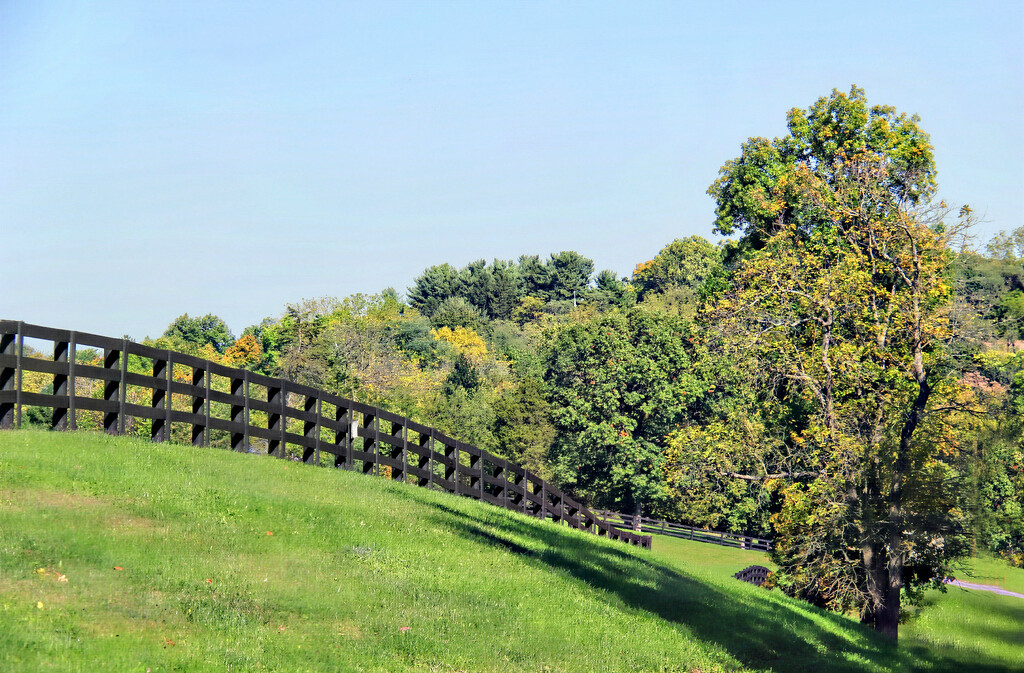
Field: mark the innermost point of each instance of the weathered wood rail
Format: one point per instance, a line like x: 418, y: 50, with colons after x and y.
x: 311, y: 425
x: 649, y: 525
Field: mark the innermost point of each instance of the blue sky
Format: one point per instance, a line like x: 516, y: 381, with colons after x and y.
x: 206, y: 157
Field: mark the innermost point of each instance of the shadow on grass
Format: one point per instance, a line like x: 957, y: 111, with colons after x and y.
x: 760, y: 631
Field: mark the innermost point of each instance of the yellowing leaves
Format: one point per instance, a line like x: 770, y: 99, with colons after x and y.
x: 244, y: 352
x: 465, y: 340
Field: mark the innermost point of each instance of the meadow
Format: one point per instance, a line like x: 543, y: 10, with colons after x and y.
x: 121, y: 555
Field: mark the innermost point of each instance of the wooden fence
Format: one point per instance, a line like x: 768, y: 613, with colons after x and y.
x: 649, y: 525
x: 312, y: 425
x: 756, y: 575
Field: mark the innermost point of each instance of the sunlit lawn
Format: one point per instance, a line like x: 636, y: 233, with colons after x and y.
x: 121, y: 555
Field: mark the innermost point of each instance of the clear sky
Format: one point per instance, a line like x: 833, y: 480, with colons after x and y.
x: 158, y: 158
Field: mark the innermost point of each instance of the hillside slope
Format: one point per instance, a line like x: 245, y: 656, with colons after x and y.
x: 121, y: 555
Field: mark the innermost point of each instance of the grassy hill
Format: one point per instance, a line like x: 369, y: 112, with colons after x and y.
x: 121, y: 555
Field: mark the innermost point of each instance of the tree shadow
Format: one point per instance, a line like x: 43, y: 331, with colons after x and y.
x: 761, y: 630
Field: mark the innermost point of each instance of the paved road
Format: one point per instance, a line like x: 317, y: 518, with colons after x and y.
x: 984, y: 587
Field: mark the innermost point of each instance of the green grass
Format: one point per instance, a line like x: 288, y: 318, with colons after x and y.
x: 169, y: 567
x: 959, y: 629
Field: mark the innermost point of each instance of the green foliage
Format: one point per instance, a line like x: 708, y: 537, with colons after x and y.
x: 523, y: 428
x: 189, y: 334
x: 458, y: 312
x: 462, y: 377
x: 758, y: 192
x: 435, y: 285
x: 610, y: 292
x: 505, y: 290
x: 683, y: 263
x: 618, y: 385
x: 535, y: 275
x: 497, y: 290
x: 995, y: 493
x: 1007, y: 247
x: 465, y: 414
x: 568, y: 275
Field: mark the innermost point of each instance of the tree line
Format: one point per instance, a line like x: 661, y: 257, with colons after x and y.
x: 841, y: 372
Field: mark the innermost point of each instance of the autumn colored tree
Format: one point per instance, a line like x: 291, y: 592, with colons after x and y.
x: 245, y: 352
x: 840, y: 306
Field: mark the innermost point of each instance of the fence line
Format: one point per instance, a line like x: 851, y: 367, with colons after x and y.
x: 649, y: 525
x: 323, y: 427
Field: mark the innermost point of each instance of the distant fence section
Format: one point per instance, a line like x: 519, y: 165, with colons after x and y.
x: 756, y: 575
x: 649, y: 525
x: 203, y: 402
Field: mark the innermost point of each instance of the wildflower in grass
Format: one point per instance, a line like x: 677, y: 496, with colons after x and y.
x: 404, y: 629
x: 40, y: 571
x: 39, y: 605
x: 118, y: 568
x: 270, y: 532
x: 209, y: 581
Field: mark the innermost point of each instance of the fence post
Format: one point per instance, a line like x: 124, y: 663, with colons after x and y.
x: 311, y: 455
x: 208, y: 406
x: 122, y: 391
x: 247, y: 414
x: 405, y: 454
x: 478, y: 462
x: 72, y: 381
x: 239, y: 388
x: 61, y: 353
x: 10, y: 377
x: 159, y: 431
x: 368, y: 431
x: 506, y: 503
x: 341, y: 438
x: 319, y: 428
x: 426, y: 461
x: 200, y: 433
x: 274, y: 420
x: 458, y: 466
x: 112, y: 391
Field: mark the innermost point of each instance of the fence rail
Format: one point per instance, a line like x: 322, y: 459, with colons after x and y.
x: 315, y: 426
x: 649, y: 525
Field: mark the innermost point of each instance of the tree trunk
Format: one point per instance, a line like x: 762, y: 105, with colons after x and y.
x: 873, y: 557
x: 638, y: 510
x: 888, y: 618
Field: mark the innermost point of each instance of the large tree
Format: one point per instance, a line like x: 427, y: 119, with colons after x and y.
x: 840, y: 305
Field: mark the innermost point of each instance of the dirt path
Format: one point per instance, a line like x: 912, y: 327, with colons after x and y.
x: 984, y: 587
